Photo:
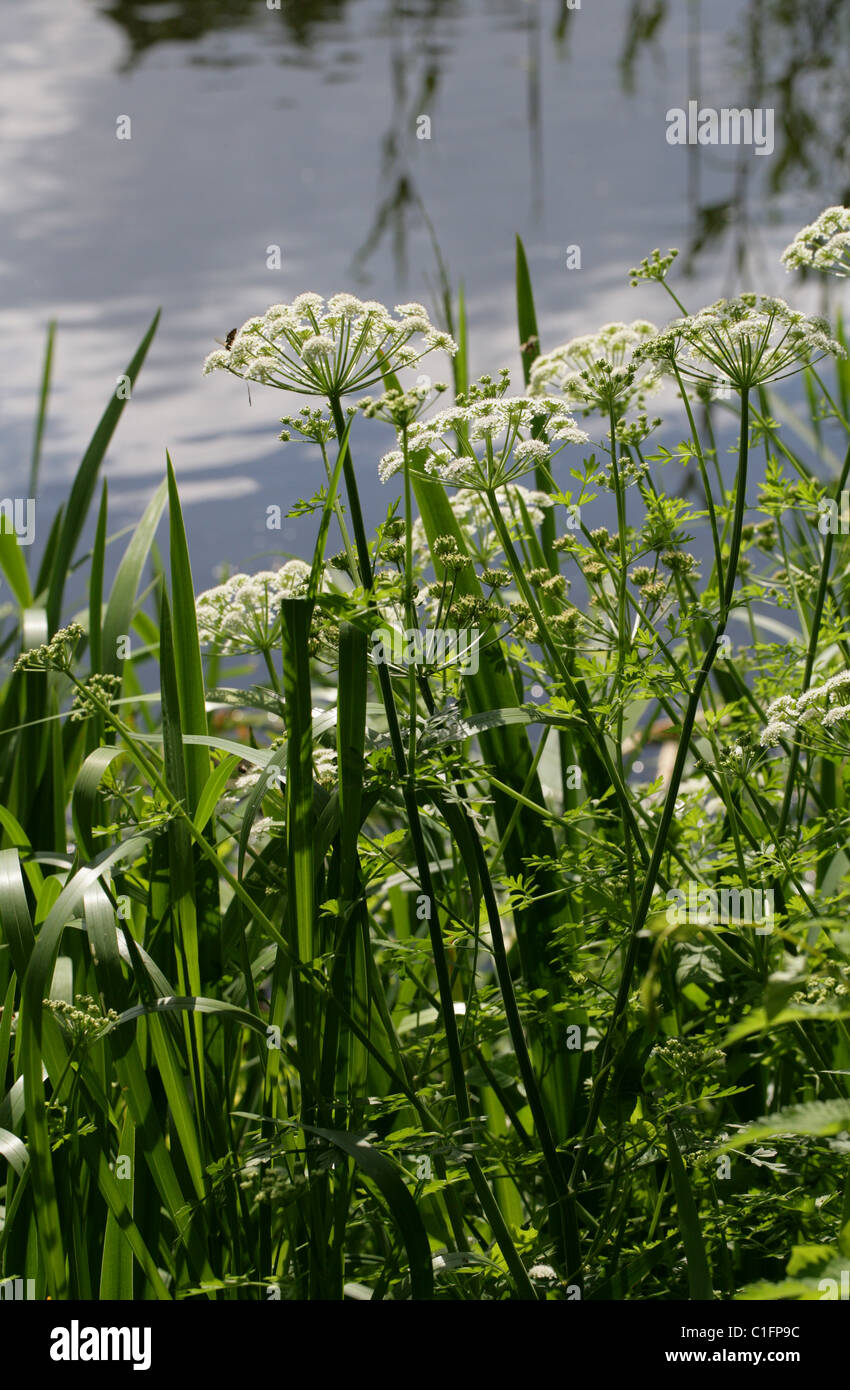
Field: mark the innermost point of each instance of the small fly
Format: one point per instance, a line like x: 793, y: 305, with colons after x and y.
x: 228, y: 344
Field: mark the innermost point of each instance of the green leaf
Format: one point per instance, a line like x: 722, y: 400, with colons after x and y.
x: 180, y: 850
x: 84, y: 800
x: 12, y: 563
x: 351, y: 743
x: 96, y: 582
x: 119, y: 1276
x: 193, y: 1004
x: 271, y: 763
x: 529, y: 337
x: 187, y: 652
x: 16, y: 927
x: 36, y: 987
x: 119, y: 610
x: 116, y: 1271
x: 815, y: 1272
x: 460, y: 363
x: 212, y: 793
x: 41, y: 415
x: 375, y: 1166
x: 699, y: 1270
x: 84, y: 484
x: 817, y: 1118
x: 299, y: 781
x: 14, y: 1152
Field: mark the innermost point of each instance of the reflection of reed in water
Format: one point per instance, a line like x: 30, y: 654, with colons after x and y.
x: 188, y: 20
x: 417, y: 45
x: 790, y: 57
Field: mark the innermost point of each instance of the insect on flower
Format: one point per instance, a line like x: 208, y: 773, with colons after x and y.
x: 329, y: 348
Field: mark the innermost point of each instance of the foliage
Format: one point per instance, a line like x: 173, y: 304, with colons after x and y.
x: 379, y: 969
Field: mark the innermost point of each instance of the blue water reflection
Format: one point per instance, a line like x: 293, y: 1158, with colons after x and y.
x: 253, y: 127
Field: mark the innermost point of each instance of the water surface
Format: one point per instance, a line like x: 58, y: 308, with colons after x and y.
x: 253, y: 127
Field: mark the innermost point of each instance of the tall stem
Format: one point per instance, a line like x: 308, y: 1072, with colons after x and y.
x: 668, y: 812
x: 812, y: 650
x: 572, y: 688
x: 420, y: 850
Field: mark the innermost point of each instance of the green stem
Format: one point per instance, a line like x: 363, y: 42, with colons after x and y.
x: 570, y: 685
x: 441, y: 967
x: 621, y: 1001
x: 817, y: 617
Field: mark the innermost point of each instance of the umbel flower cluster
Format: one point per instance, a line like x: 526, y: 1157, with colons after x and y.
x: 744, y: 342
x: 83, y: 1019
x: 823, y: 245
x: 507, y: 429
x: 597, y: 369
x: 821, y: 708
x: 242, y: 615
x: 329, y: 348
x: 54, y: 655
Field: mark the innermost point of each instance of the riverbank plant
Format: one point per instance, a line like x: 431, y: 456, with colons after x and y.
x: 458, y: 912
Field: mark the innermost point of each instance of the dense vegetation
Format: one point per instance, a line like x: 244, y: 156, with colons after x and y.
x: 398, y: 925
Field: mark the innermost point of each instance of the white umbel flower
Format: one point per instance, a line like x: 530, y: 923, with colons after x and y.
x: 242, y: 615
x: 823, y: 245
x: 329, y: 349
x: 596, y: 369
x: 390, y: 464
x: 836, y: 715
x: 821, y: 708
x: 532, y: 451
x: 517, y: 434
x: 316, y: 348
x: 325, y: 769
x: 744, y: 342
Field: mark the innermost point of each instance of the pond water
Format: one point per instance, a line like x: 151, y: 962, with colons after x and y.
x: 254, y: 127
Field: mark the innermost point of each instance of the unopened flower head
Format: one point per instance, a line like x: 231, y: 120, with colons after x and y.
x: 83, y: 1019
x: 744, y: 342
x: 329, y: 349
x: 597, y: 370
x: 400, y: 409
x: 55, y: 655
x: 823, y: 245
x: 654, y: 267
x: 475, y: 522
x: 242, y: 615
x: 100, y: 691
x: 310, y: 423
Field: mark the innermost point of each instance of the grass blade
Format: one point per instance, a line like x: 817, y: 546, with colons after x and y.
x: 84, y: 484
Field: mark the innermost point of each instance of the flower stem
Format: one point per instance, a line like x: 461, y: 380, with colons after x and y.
x: 652, y: 873
x: 420, y: 850
x: 573, y: 689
